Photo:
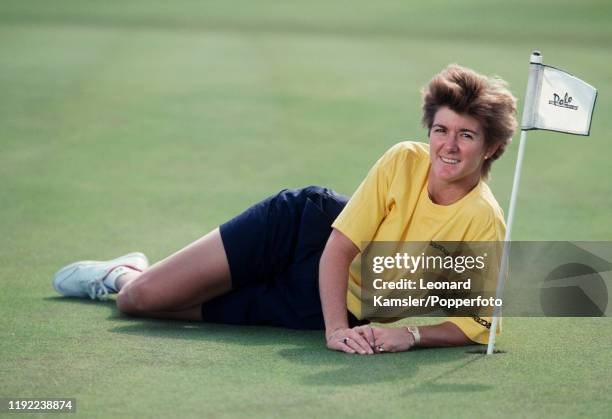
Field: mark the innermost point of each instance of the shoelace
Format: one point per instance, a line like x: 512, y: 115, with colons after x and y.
x: 97, y: 290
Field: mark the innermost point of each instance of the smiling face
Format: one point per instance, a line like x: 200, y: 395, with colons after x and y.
x: 457, y: 150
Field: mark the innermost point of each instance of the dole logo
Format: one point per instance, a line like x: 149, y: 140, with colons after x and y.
x: 562, y: 102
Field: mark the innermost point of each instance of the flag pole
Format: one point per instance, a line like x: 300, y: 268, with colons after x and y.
x: 536, y: 58
x: 506, y: 251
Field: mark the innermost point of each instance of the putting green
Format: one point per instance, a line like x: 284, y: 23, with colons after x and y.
x: 133, y: 125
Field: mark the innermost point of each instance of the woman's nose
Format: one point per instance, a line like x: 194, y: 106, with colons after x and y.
x: 452, y: 143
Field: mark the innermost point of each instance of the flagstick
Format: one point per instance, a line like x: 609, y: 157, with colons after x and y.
x: 506, y: 251
x: 535, y: 58
x: 530, y: 111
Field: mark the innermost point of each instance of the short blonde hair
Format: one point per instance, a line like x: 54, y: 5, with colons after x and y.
x: 487, y: 99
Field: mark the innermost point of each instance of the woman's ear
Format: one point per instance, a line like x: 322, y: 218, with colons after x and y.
x: 491, y: 151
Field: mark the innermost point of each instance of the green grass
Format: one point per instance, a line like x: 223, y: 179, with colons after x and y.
x: 133, y: 125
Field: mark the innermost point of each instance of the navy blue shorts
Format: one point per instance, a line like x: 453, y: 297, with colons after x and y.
x: 273, y: 250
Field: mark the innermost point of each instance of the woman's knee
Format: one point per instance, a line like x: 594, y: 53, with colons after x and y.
x: 135, y: 298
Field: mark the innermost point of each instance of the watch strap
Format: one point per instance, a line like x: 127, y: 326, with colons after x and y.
x: 415, y: 332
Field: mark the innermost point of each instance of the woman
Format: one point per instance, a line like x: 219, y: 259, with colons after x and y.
x: 262, y: 266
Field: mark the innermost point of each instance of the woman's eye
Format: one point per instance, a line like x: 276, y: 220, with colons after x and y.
x: 438, y: 129
x: 468, y: 136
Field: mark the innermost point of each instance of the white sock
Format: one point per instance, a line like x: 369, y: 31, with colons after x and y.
x: 111, y: 279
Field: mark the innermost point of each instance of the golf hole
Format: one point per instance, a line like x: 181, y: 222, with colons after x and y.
x: 484, y: 351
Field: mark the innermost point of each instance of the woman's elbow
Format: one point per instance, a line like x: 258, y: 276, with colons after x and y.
x: 339, y: 247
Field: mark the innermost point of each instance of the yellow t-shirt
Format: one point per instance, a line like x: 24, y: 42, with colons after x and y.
x: 392, y: 204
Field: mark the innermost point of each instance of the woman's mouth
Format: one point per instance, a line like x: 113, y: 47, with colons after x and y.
x: 449, y: 161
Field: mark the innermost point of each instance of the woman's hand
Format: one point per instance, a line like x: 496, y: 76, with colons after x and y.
x: 389, y: 339
x: 351, y: 341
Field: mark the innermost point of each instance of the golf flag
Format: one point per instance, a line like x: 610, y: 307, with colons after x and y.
x: 557, y: 101
x: 554, y: 101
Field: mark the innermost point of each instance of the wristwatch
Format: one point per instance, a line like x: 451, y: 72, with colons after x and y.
x: 415, y: 332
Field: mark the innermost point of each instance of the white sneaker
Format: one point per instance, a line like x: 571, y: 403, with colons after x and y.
x: 85, y: 278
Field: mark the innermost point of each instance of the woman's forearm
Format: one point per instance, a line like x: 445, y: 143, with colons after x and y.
x: 444, y: 334
x: 333, y: 280
x: 392, y: 339
x: 333, y: 276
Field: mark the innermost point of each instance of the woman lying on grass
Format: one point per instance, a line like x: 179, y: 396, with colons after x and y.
x: 292, y: 260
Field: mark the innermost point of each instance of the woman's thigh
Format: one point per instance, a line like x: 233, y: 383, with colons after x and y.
x: 189, y: 277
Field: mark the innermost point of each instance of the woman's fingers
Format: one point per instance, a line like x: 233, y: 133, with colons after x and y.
x: 350, y: 341
x: 358, y: 342
x: 379, y: 339
x: 338, y: 344
x: 367, y: 333
x: 344, y: 347
x: 356, y: 346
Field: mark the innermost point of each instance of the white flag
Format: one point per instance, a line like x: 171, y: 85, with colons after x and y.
x: 557, y: 101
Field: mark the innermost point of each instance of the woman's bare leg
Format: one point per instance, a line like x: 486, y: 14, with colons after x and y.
x: 176, y: 286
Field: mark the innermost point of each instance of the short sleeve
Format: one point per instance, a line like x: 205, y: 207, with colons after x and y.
x: 369, y: 205
x: 488, y: 228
